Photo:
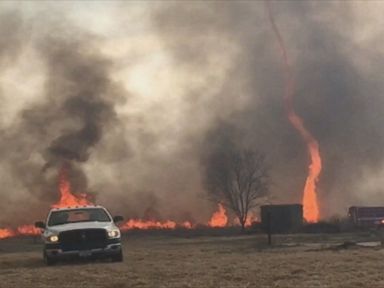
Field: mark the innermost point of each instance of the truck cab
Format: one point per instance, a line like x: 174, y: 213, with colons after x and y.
x: 81, y: 232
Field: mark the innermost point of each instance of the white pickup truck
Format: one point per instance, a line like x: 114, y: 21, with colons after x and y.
x: 81, y: 232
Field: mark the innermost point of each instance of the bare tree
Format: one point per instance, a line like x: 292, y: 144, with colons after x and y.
x: 238, y: 179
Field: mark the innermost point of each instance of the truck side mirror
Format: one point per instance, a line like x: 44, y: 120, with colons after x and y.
x: 117, y: 219
x: 40, y: 224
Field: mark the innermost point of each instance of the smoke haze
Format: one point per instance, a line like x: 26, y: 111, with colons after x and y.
x: 135, y: 94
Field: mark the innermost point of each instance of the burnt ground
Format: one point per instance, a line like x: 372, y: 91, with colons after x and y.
x: 206, y: 261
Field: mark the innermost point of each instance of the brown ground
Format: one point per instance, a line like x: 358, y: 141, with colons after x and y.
x: 237, y: 261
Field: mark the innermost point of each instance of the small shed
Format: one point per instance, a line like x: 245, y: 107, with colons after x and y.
x: 285, y: 218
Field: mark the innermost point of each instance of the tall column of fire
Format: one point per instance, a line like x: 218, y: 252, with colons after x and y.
x: 310, y: 202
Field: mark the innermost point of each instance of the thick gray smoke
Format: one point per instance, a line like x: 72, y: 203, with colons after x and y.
x: 134, y: 94
x: 337, y: 95
x: 66, y: 123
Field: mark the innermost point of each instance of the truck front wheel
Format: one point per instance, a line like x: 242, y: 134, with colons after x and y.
x: 49, y: 261
x: 118, y: 257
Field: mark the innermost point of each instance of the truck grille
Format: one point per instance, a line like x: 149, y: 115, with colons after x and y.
x: 84, y: 239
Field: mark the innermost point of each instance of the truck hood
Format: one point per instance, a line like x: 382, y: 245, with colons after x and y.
x: 80, y: 225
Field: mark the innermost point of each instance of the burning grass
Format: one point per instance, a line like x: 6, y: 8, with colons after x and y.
x: 68, y: 199
x: 159, y: 260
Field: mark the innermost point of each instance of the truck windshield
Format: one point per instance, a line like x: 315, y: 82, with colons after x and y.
x: 78, y: 215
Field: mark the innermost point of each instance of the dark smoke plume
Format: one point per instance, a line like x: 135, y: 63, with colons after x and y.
x: 79, y: 85
x: 69, y: 120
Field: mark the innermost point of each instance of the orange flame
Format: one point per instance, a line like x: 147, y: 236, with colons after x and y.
x: 186, y: 225
x: 219, y: 218
x: 251, y: 218
x: 148, y: 224
x: 151, y: 224
x: 21, y: 230
x: 310, y: 202
x: 28, y: 230
x: 6, y: 233
x: 67, y: 199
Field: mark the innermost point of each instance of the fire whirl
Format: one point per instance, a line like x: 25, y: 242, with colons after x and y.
x: 310, y: 202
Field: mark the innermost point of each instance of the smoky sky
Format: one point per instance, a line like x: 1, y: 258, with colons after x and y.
x: 206, y: 69
x: 340, y: 104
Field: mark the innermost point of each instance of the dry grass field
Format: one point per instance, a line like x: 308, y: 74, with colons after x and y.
x: 232, y: 261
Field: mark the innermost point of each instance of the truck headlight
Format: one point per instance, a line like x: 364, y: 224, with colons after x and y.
x: 53, y: 238
x: 114, y: 233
